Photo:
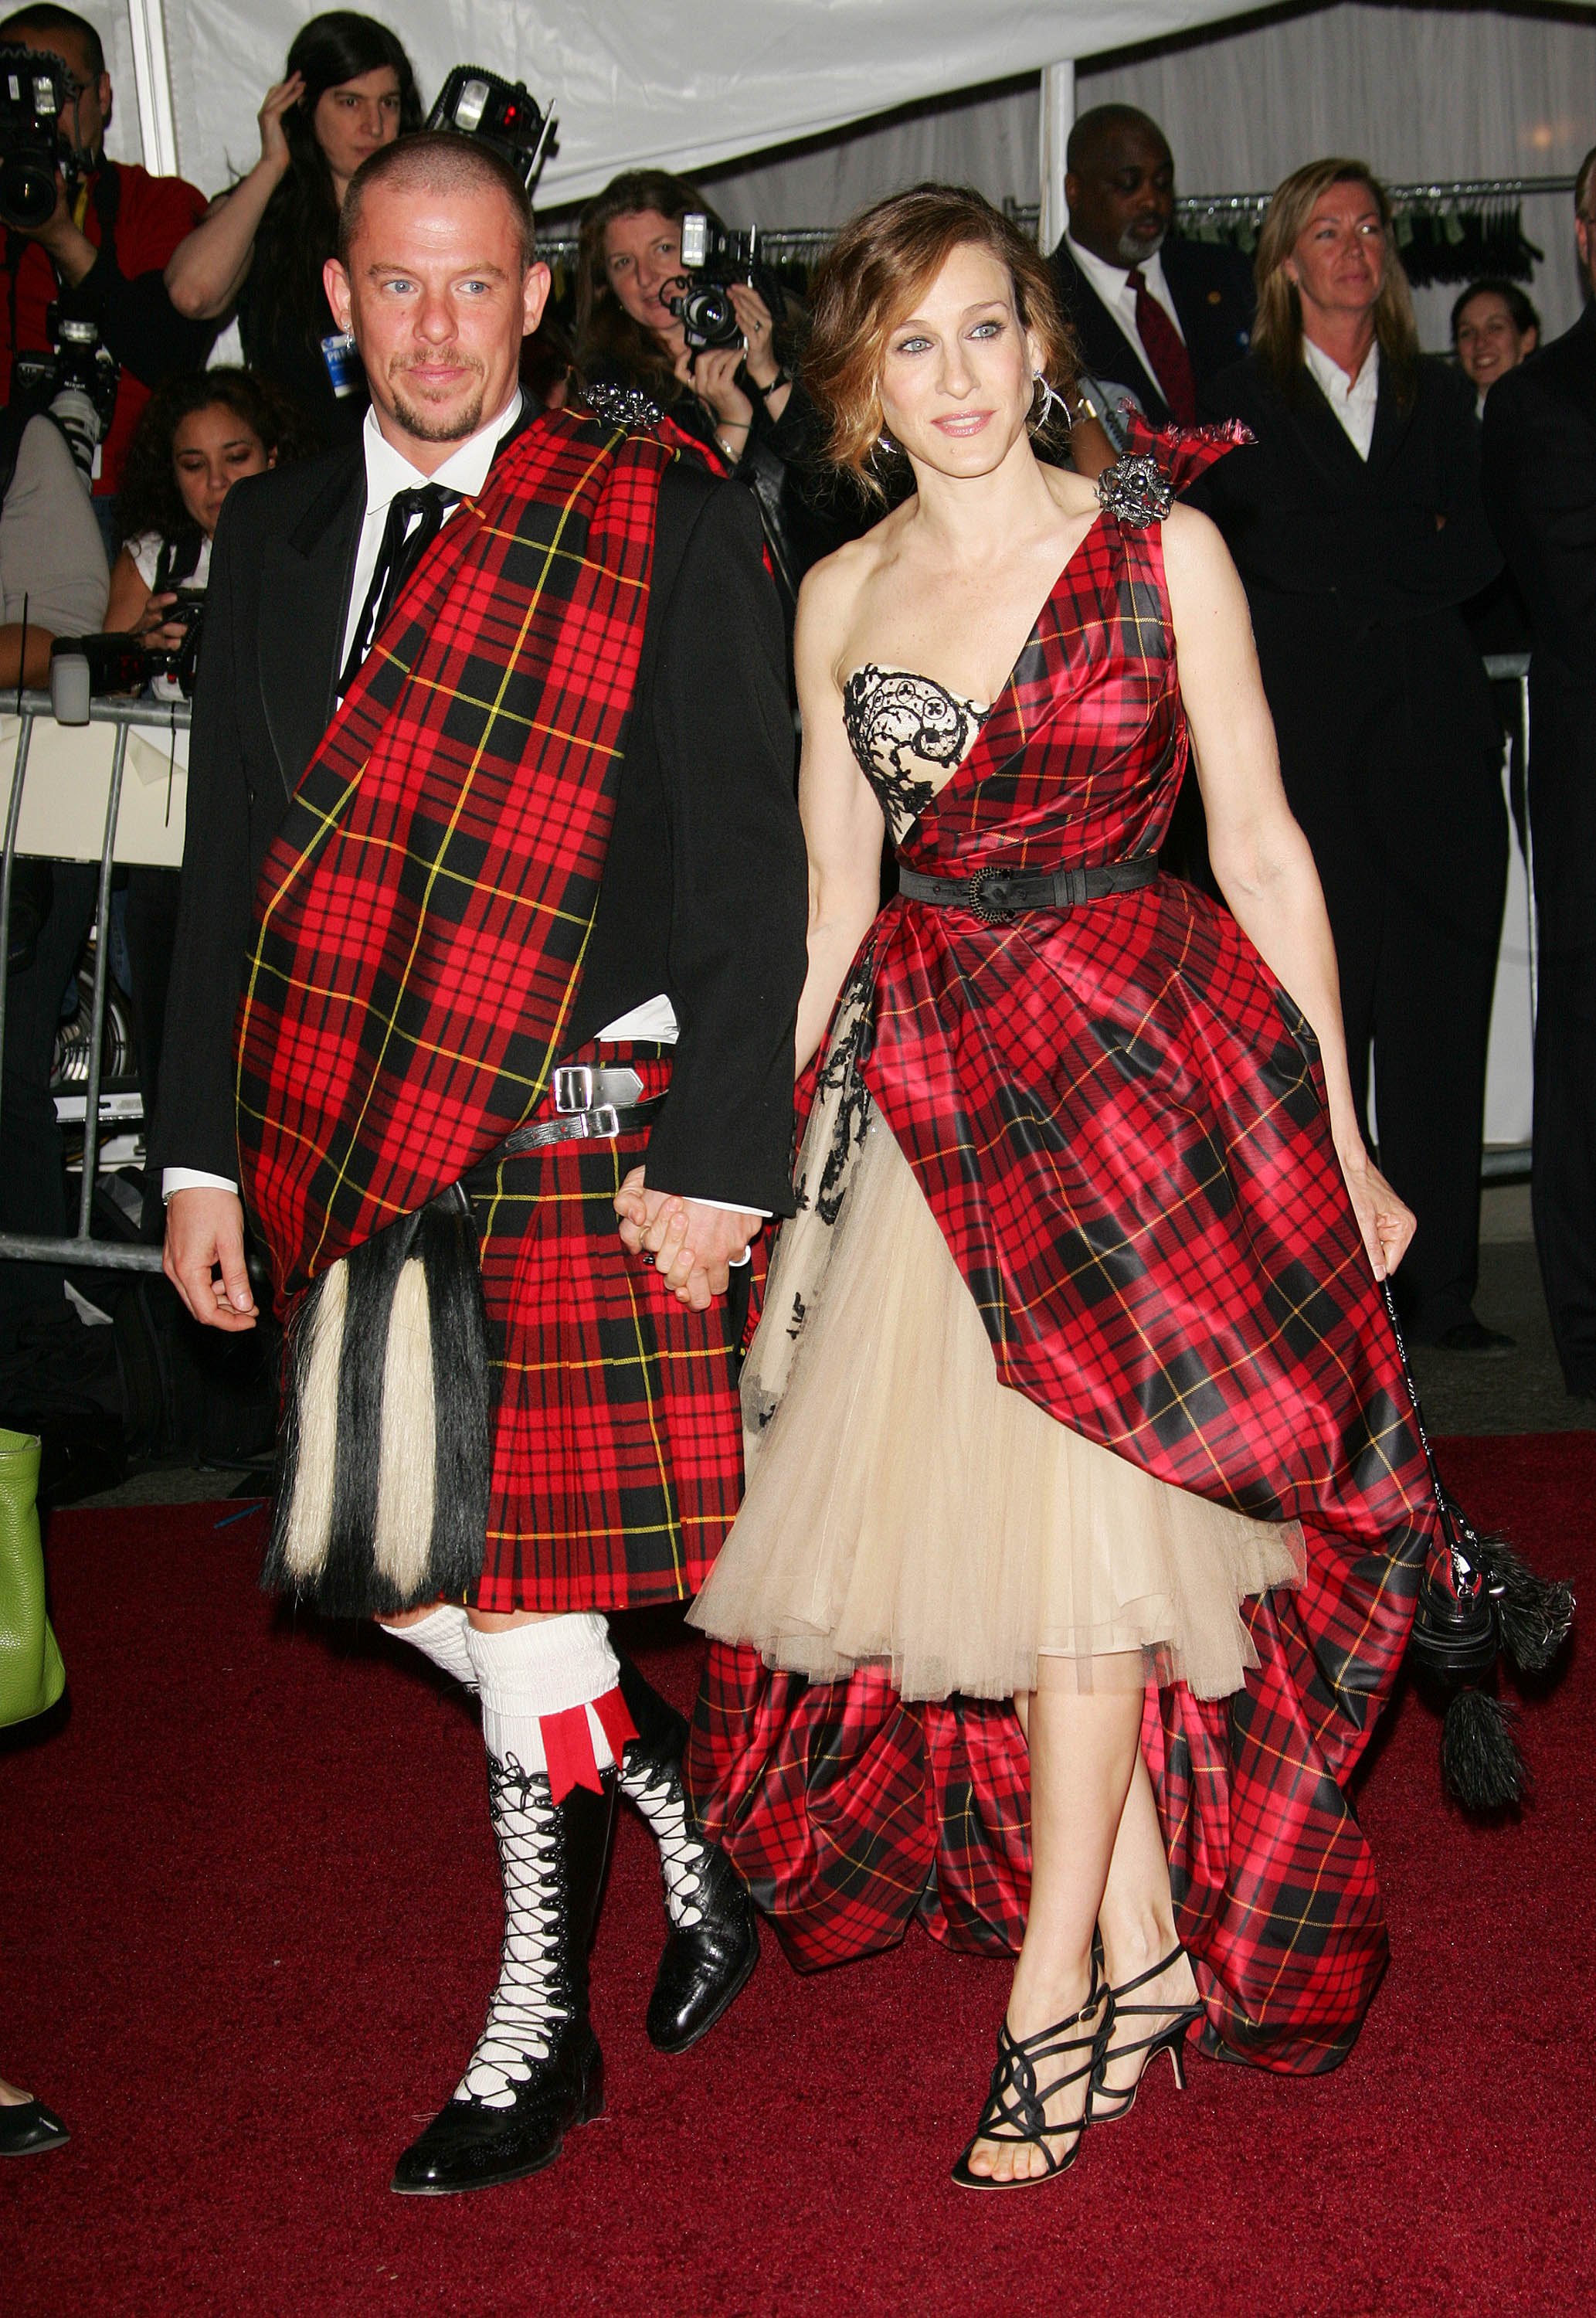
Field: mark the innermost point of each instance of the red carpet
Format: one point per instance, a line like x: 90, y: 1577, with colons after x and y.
x: 248, y: 1921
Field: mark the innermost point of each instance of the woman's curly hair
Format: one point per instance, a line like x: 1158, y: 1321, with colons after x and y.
x: 150, y: 499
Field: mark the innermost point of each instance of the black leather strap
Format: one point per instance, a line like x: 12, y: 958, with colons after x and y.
x: 997, y: 895
x: 602, y: 1123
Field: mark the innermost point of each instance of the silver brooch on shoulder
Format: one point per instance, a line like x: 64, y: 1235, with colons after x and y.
x: 1136, y: 490
x: 622, y: 406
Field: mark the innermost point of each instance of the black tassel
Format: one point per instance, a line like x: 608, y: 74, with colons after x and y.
x: 1534, y: 1614
x: 1481, y: 1765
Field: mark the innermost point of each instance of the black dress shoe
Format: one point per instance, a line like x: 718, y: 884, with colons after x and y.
x: 708, y: 1960
x: 705, y: 1965
x: 1472, y: 1335
x: 538, y: 2045
x: 28, y: 2128
x: 469, y: 2147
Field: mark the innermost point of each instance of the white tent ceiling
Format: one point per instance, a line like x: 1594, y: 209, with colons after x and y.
x: 678, y: 84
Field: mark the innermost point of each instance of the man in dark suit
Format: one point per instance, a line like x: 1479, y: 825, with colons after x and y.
x: 696, y: 950
x: 1540, y: 494
x: 1150, y: 310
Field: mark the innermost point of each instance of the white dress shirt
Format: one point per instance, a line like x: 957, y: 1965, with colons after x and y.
x: 1354, y: 400
x: 1113, y: 287
x: 463, y: 475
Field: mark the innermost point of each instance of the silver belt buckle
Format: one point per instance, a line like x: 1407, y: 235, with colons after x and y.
x: 605, y: 1119
x: 573, y: 1087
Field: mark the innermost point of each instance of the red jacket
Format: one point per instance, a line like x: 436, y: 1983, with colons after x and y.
x: 151, y: 215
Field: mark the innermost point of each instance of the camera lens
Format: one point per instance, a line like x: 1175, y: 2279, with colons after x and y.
x: 27, y: 191
x: 708, y: 315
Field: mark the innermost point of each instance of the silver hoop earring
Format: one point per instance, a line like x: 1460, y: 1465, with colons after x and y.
x: 1052, y: 400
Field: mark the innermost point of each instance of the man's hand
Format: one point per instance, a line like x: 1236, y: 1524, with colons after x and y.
x: 694, y: 1247
x: 73, y: 252
x: 205, y: 1230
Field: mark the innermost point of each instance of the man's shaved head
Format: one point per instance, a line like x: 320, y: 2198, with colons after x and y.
x: 1092, y: 129
x: 436, y: 161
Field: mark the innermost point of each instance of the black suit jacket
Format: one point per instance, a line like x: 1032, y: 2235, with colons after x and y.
x: 1356, y: 594
x: 704, y: 891
x: 1540, y: 494
x: 1211, y: 285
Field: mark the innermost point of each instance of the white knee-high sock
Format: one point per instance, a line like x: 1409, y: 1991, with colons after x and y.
x: 548, y: 1667
x: 441, y: 1637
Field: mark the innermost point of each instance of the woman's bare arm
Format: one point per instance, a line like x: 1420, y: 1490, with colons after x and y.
x: 1259, y: 857
x: 843, y: 827
x: 207, y: 270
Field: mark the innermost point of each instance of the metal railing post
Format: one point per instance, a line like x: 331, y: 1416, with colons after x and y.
x: 18, y: 773
x: 82, y: 1249
x: 91, y: 1108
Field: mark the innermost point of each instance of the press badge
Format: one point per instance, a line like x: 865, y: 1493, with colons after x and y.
x: 343, y: 363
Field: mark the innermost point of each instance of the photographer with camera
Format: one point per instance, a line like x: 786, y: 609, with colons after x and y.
x: 199, y: 435
x: 261, y: 248
x: 95, y: 252
x: 642, y: 305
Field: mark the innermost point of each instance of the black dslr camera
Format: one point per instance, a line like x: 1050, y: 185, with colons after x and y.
x: 476, y: 103
x: 35, y: 90
x: 713, y: 259
x: 77, y: 384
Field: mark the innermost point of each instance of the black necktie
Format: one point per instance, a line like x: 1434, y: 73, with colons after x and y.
x: 415, y: 518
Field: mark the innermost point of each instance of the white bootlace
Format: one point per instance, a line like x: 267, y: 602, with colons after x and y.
x: 523, y: 2009
x: 683, y: 1858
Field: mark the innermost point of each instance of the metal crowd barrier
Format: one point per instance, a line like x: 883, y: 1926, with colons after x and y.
x: 165, y: 717
x: 125, y: 716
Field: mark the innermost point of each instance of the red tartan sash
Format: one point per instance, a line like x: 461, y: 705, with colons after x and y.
x: 423, y: 913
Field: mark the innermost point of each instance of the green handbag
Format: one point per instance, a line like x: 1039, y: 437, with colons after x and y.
x: 32, y: 1676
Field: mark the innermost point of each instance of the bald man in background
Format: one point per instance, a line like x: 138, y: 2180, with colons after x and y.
x: 1152, y: 311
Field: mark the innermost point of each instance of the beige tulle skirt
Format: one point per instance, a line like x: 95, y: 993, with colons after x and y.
x: 905, y: 1509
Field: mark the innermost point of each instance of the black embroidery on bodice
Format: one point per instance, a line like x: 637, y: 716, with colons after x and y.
x: 910, y: 735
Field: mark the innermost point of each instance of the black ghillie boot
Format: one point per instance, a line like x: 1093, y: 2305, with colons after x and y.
x: 537, y: 2069
x: 713, y: 1944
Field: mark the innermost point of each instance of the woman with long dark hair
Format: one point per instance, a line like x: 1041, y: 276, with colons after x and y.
x: 1360, y: 533
x: 738, y: 403
x: 348, y: 89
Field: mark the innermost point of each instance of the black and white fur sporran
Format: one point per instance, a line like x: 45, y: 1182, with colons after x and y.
x: 381, y: 1501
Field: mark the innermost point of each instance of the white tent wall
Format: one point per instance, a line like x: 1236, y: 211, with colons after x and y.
x: 1422, y: 92
x: 635, y: 81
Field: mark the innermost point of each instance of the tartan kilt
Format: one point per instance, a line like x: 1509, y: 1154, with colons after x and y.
x: 617, y: 1437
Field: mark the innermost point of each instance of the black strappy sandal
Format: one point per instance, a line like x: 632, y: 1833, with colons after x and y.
x: 1107, y: 2103
x: 1016, y: 2106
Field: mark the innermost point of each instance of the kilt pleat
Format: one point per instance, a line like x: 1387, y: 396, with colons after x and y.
x: 617, y: 1450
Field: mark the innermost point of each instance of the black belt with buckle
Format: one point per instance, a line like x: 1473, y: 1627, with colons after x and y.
x: 998, y: 894
x: 593, y: 1106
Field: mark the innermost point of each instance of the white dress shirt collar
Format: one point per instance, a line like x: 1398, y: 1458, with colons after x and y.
x: 388, y: 473
x: 1113, y: 287
x: 1354, y: 400
x: 462, y: 473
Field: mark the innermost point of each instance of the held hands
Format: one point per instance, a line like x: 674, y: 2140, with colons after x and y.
x: 1386, y: 1225
x: 694, y: 1247
x: 204, y: 1233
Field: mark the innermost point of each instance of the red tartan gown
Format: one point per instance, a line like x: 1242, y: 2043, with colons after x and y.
x: 1117, y: 1118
